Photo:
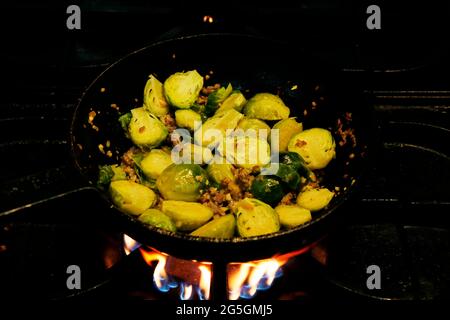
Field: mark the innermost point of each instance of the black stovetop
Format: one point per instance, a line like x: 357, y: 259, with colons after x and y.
x: 398, y: 221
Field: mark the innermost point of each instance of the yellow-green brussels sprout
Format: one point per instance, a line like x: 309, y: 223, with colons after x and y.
x: 155, y: 162
x: 255, y: 218
x: 182, y: 88
x: 154, y: 100
x: 157, y: 218
x: 192, y: 153
x: 145, y: 129
x: 266, y: 106
x: 247, y: 151
x: 292, y: 216
x: 316, y: 146
x: 314, y: 199
x: 256, y: 125
x: 220, y: 122
x: 187, y: 216
x: 220, y: 171
x: 286, y: 129
x: 222, y: 227
x: 235, y: 101
x: 131, y: 197
x: 187, y: 118
x: 182, y: 182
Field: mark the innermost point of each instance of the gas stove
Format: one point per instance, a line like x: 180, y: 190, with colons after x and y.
x: 396, y: 225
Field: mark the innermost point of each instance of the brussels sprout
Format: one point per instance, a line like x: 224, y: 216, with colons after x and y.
x: 216, y: 97
x: 192, y: 153
x: 220, y: 171
x: 220, y: 122
x: 182, y: 182
x: 155, y: 162
x: 286, y: 129
x: 154, y: 100
x: 247, y: 152
x: 316, y: 146
x: 145, y: 129
x: 222, y: 227
x: 235, y: 101
x: 156, y: 218
x: 182, y: 88
x: 268, y: 189
x: 292, y: 216
x: 289, y: 176
x: 266, y: 106
x: 295, y: 161
x: 187, y: 216
x: 108, y: 173
x: 255, y: 218
x: 187, y: 118
x: 256, y: 125
x: 131, y: 197
x: 314, y: 199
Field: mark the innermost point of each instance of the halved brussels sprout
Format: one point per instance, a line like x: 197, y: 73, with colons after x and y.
x: 292, y: 216
x: 131, y: 197
x: 316, y: 146
x: 222, y: 227
x: 182, y: 182
x: 286, y: 129
x: 154, y: 100
x: 268, y: 189
x: 192, y: 153
x: 314, y: 199
x: 256, y: 218
x: 216, y: 97
x: 256, y: 125
x: 247, y: 152
x: 155, y: 162
x: 235, y: 101
x: 228, y: 119
x: 187, y: 216
x: 182, y: 88
x: 145, y: 129
x: 157, y: 218
x: 187, y: 118
x: 266, y: 106
x: 220, y: 171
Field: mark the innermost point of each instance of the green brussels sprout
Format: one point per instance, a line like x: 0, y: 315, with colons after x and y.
x: 256, y: 125
x: 157, y: 218
x: 108, y: 173
x: 267, y: 188
x: 316, y: 146
x: 131, y: 197
x: 292, y: 216
x: 220, y: 171
x: 286, y: 129
x: 266, y: 106
x: 248, y: 152
x: 182, y: 88
x: 187, y: 216
x: 187, y: 118
x: 145, y: 129
x: 255, y: 218
x: 192, y: 153
x: 235, y: 101
x: 220, y: 122
x: 314, y: 199
x: 222, y: 227
x: 154, y: 100
x: 289, y: 176
x: 215, y: 98
x: 295, y: 161
x: 154, y: 163
x: 182, y: 182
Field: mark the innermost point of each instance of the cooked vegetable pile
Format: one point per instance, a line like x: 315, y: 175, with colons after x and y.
x: 212, y: 178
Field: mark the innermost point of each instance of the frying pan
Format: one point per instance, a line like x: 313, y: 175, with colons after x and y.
x: 255, y: 65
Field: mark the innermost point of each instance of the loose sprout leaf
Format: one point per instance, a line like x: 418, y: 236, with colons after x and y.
x: 105, y: 175
x: 124, y: 121
x: 151, y: 183
x: 216, y: 97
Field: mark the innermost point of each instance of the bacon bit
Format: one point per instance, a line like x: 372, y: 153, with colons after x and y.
x: 353, y: 182
x: 351, y: 156
x: 102, y: 90
x: 109, y: 154
x: 3, y: 247
x: 316, y: 88
x: 142, y: 129
x: 347, y: 133
x: 209, y: 89
x: 300, y: 143
x: 288, y: 199
x: 294, y: 87
x: 115, y: 106
x: 91, y: 118
x: 174, y: 56
x: 207, y: 77
x: 313, y: 104
x: 202, y: 99
x: 79, y: 146
x: 101, y: 148
x: 305, y: 112
x: 199, y: 178
x: 337, y: 188
x: 169, y: 122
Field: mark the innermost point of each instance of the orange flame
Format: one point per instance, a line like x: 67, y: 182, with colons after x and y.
x: 208, y: 19
x: 129, y: 244
x: 205, y: 280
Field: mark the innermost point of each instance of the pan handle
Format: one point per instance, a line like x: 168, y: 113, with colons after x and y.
x: 39, y: 188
